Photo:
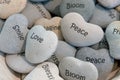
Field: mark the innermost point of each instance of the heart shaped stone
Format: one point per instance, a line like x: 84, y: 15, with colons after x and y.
x: 100, y: 58
x: 52, y: 25
x: 19, y: 64
x: 78, y: 32
x: 112, y: 34
x: 40, y: 44
x: 83, y: 7
x: 35, y: 11
x: 13, y: 34
x: 44, y: 71
x: 109, y: 3
x: 75, y: 69
x: 103, y: 17
x: 10, y: 7
x: 63, y: 50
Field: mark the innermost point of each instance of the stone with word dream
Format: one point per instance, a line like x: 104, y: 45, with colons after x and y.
x: 53, y: 6
x: 83, y: 7
x: 1, y: 24
x: 100, y: 58
x: 10, y: 7
x: 63, y: 50
x: 75, y: 69
x: 35, y: 11
x: 103, y: 17
x: 40, y: 44
x: 44, y: 71
x: 13, y: 34
x: 39, y: 0
x: 52, y: 25
x: 112, y: 34
x: 19, y: 64
x: 78, y: 32
x: 109, y: 3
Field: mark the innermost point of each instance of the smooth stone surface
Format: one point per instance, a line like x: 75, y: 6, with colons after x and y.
x: 40, y: 44
x: 10, y: 7
x: 5, y: 72
x: 39, y: 0
x: 19, y: 64
x: 53, y: 6
x: 13, y: 34
x: 78, y: 32
x: 63, y: 50
x: 100, y: 58
x: 23, y: 76
x: 51, y: 25
x: 118, y: 8
x: 75, y: 69
x: 103, y: 17
x: 109, y: 3
x: 112, y: 34
x: 44, y: 71
x: 83, y: 7
x: 1, y: 24
x: 35, y: 11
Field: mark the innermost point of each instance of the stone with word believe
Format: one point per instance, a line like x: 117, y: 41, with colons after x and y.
x: 78, y: 32
x: 40, y: 44
x: 10, y: 7
x: 63, y: 50
x: 83, y: 7
x: 112, y: 34
x: 19, y: 64
x: 103, y: 17
x: 34, y: 12
x: 52, y: 25
x: 74, y: 69
x: 44, y: 71
x: 100, y: 58
x: 13, y: 34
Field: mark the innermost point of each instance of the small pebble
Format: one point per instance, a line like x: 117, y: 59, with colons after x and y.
x: 13, y: 34
x: 44, y: 71
x: 77, y: 32
x: 40, y: 44
x: 10, y: 7
x: 112, y: 34
x: 75, y: 69
x: 100, y: 58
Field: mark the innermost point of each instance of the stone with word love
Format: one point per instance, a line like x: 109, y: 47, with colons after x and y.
x: 109, y: 3
x: 40, y: 44
x: 112, y: 34
x: 100, y: 58
x: 52, y: 25
x: 103, y: 17
x: 75, y: 69
x: 44, y: 71
x: 10, y: 7
x: 19, y: 64
x: 35, y: 11
x: 63, y: 50
x: 13, y: 34
x: 39, y: 0
x: 78, y: 32
x: 83, y: 7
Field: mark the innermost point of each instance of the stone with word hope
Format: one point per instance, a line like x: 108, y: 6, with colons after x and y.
x: 39, y: 0
x: 34, y: 12
x: 13, y: 34
x: 19, y: 64
x: 40, y: 44
x: 112, y: 34
x: 103, y: 17
x: 63, y: 50
x: 83, y: 7
x: 1, y: 24
x: 10, y: 7
x: 44, y: 71
x: 78, y: 32
x: 51, y: 25
x: 74, y: 69
x: 100, y: 58
x: 109, y: 3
